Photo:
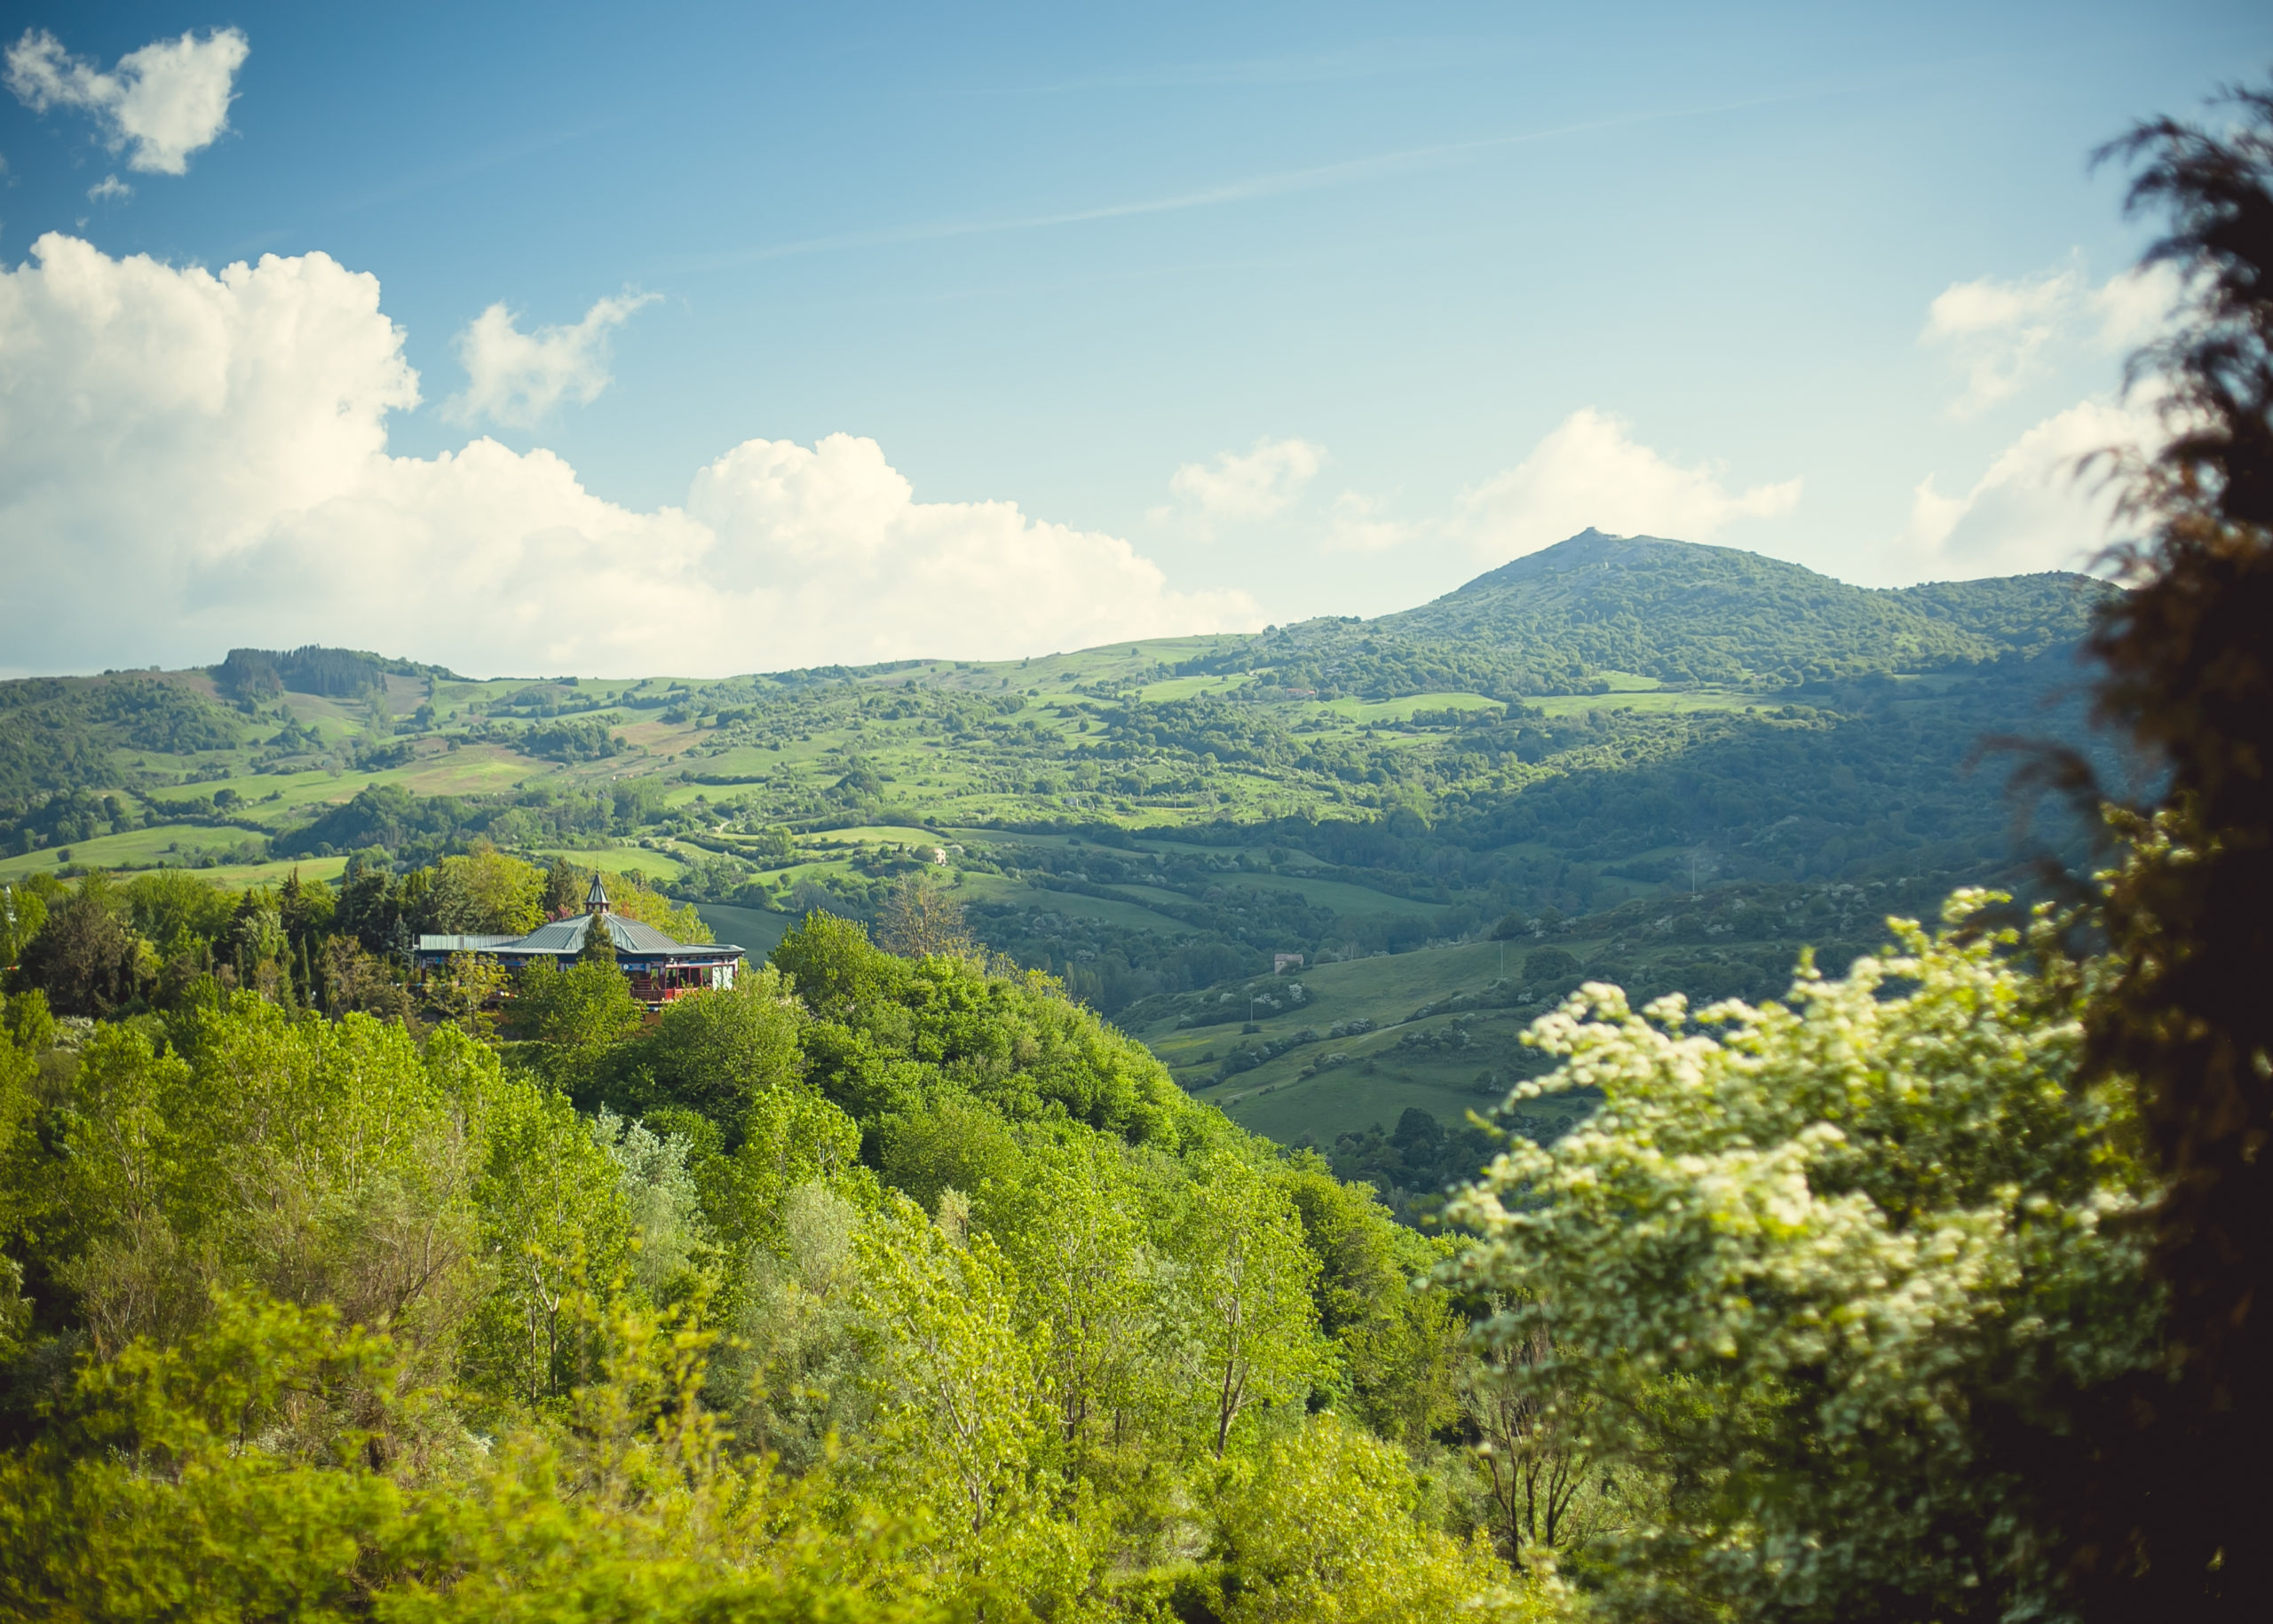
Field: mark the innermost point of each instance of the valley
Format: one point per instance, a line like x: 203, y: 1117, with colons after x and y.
x: 1674, y: 766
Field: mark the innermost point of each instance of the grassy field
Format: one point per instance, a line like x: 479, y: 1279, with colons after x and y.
x: 758, y: 793
x: 660, y: 867
x: 169, y: 844
x: 757, y: 932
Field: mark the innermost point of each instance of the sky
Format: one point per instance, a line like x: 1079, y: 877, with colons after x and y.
x: 710, y: 338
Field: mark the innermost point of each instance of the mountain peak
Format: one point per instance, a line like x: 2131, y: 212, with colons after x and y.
x: 1588, y: 548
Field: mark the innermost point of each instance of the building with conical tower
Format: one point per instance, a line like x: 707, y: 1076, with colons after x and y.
x: 658, y: 969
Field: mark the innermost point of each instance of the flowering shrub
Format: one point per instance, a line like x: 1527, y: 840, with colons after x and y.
x: 1808, y: 1261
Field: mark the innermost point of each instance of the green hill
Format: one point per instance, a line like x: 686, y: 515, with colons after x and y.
x: 1677, y: 763
x: 1556, y: 620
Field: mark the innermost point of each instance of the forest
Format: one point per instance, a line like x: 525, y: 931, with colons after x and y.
x: 1925, y: 1280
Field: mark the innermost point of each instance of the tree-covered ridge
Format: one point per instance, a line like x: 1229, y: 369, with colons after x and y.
x: 58, y: 732
x: 1550, y: 623
x: 906, y: 1255
x: 1270, y: 816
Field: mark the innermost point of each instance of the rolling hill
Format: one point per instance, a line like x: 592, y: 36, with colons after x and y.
x: 1672, y: 764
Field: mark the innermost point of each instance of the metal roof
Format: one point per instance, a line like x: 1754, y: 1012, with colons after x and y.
x: 564, y: 939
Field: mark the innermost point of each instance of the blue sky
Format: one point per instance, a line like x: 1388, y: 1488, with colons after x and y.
x: 1399, y: 289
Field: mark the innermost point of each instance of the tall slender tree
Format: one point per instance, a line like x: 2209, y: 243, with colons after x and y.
x: 2166, y: 1514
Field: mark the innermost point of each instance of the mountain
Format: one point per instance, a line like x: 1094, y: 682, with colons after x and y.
x: 1554, y: 620
x: 1673, y: 765
x: 1682, y: 613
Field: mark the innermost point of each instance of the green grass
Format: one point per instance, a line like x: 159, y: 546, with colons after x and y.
x: 753, y: 930
x: 1392, y: 710
x: 658, y: 865
x: 170, y: 844
x: 1653, y: 701
x: 244, y: 877
x: 873, y: 834
x: 1051, y: 743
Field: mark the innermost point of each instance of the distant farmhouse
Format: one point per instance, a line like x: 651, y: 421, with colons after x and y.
x: 658, y: 967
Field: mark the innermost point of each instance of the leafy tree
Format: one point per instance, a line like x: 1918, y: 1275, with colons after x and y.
x: 1802, y: 1267
x: 2163, y: 1512
x: 716, y: 1052
x: 1546, y: 964
x: 920, y: 918
x: 355, y: 982
x: 580, y: 1013
x: 22, y: 912
x: 794, y: 1375
x: 486, y: 893
x: 953, y: 1143
x: 175, y: 911
x: 961, y: 1409
x: 1246, y: 1278
x: 1398, y: 1351
x: 84, y: 959
x: 1548, y: 1497
x: 555, y: 1220
x: 663, y: 1202
x: 835, y: 968
x: 1073, y: 1230
x: 468, y: 984
x: 791, y: 1138
x: 1326, y: 1524
x: 229, y: 1476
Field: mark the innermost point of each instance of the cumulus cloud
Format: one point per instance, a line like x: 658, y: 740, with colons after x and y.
x: 1591, y: 471
x: 2004, y: 335
x: 2034, y: 509
x: 1358, y: 525
x: 161, y: 104
x: 108, y: 188
x: 212, y: 449
x: 516, y: 378
x: 1249, y: 485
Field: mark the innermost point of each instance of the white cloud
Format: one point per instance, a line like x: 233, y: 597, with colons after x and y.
x: 2135, y: 306
x: 163, y: 103
x: 2004, y: 334
x: 1357, y: 525
x: 515, y: 377
x: 109, y: 187
x: 190, y: 460
x: 2034, y: 509
x: 1999, y: 330
x: 1591, y: 471
x: 1253, y: 485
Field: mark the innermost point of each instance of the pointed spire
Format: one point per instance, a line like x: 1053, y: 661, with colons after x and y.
x: 596, y: 899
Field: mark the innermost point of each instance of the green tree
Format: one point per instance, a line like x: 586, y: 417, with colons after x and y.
x: 1073, y: 1228
x: 487, y: 893
x: 22, y: 912
x: 1800, y: 1268
x: 959, y: 1403
x: 555, y: 1220
x: 1246, y: 1278
x: 835, y: 968
x: 664, y: 1205
x: 177, y: 912
x: 2159, y: 1501
x: 1398, y: 1350
x: 921, y: 917
x: 952, y: 1142
x: 581, y: 1014
x: 83, y: 957
x: 790, y: 1137
x: 1324, y: 1524
x: 716, y: 1052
